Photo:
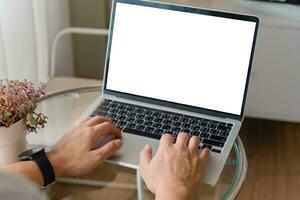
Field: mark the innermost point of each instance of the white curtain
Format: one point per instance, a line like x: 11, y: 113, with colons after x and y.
x: 27, y: 30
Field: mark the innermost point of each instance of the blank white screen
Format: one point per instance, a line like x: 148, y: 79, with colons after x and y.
x: 186, y: 58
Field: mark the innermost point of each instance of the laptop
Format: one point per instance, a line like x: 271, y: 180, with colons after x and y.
x: 171, y: 69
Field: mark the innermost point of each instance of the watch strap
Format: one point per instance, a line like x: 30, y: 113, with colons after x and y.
x: 46, y: 169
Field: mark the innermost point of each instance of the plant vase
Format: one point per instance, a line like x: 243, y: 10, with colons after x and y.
x: 12, y: 142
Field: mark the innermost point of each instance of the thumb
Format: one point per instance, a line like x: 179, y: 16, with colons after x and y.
x: 107, y: 150
x: 145, y: 157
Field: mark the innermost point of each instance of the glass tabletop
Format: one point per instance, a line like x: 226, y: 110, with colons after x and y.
x: 63, y: 108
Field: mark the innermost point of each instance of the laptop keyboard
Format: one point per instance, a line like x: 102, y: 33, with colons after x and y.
x: 154, y: 123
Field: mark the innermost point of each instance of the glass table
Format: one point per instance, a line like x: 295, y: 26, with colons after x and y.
x: 64, y: 107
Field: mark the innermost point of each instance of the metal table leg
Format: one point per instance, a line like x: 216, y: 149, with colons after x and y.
x: 139, y: 185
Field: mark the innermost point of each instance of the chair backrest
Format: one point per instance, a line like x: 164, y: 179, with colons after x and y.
x: 66, y: 31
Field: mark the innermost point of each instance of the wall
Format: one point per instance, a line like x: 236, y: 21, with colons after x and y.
x: 89, y: 51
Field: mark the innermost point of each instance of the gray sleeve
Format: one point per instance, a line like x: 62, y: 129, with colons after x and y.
x: 14, y: 187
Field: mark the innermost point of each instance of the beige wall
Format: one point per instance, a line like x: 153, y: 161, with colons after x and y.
x: 89, y: 51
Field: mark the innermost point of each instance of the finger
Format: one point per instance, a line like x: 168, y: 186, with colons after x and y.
x: 93, y: 121
x: 182, y: 139
x: 84, y: 120
x: 107, y: 150
x: 193, y: 144
x: 166, y: 139
x: 106, y: 128
x: 203, y: 156
x: 145, y: 158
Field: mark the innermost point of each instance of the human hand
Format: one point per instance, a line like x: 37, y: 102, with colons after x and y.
x: 176, y: 169
x: 75, y: 152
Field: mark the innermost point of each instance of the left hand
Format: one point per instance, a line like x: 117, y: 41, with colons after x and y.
x: 75, y: 153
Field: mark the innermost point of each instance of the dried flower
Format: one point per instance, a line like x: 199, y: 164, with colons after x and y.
x: 18, y: 100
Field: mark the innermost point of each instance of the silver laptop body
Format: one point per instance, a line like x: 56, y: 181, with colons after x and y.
x: 189, y: 61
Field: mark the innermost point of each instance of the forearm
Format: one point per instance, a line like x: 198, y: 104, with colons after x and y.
x: 28, y: 169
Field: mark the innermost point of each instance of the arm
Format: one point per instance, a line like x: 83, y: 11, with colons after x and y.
x: 75, y: 153
x: 176, y: 169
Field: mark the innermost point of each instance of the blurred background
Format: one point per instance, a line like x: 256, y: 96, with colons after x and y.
x: 28, y: 29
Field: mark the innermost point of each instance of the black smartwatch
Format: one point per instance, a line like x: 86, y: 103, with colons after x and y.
x: 39, y: 156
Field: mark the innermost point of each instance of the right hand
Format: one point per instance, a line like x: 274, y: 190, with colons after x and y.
x: 176, y: 169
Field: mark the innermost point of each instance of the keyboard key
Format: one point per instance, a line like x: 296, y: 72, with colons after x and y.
x: 166, y: 127
x: 196, y: 128
x: 216, y: 150
x: 186, y: 126
x: 149, y: 118
x: 140, y: 116
x: 158, y: 131
x: 131, y: 114
x: 157, y: 125
x: 204, y: 129
x: 140, y: 127
x: 195, y: 133
x: 230, y: 125
x: 121, y: 107
x: 184, y: 120
x: 218, y: 138
x: 158, y: 120
x: 203, y: 124
x: 224, y: 133
x: 166, y: 116
x: 224, y: 128
x: 214, y: 131
x: 212, y: 125
x: 130, y: 119
x: 222, y: 123
x: 141, y: 133
x: 147, y: 112
x: 149, y: 129
x: 122, y: 112
x: 167, y: 122
x: 176, y: 129
x: 106, y: 102
x: 176, y: 124
x: 206, y: 146
x: 139, y: 110
x: 122, y: 118
x: 156, y: 114
x: 194, y: 122
x: 129, y: 108
x: 114, y: 111
x: 212, y: 142
x: 121, y: 124
x: 148, y: 123
x: 204, y: 135
x: 186, y: 131
x: 112, y: 116
x: 169, y: 132
x: 139, y: 121
x: 175, y: 118
x: 131, y: 125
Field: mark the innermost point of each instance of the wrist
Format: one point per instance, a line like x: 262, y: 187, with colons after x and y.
x: 175, y: 192
x: 54, y: 159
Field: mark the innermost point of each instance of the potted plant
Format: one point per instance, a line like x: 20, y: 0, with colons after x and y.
x: 18, y: 102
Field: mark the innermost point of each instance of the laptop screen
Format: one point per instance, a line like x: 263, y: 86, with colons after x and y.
x: 180, y: 56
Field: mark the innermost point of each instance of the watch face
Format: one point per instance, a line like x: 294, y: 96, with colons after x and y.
x: 31, y: 153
